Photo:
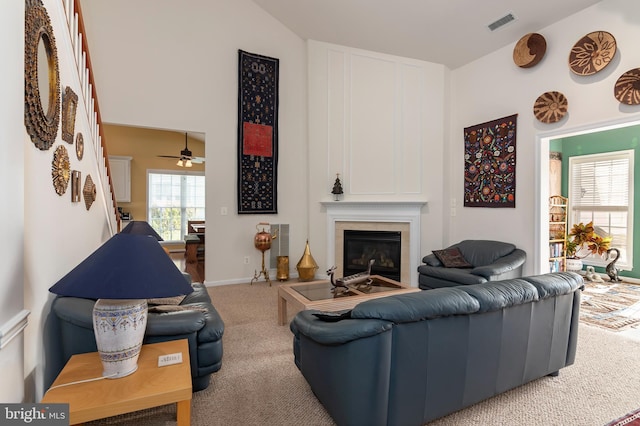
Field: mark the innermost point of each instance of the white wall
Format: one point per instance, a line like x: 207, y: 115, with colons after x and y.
x: 174, y: 65
x: 12, y: 206
x: 494, y: 87
x: 58, y: 234
x: 379, y: 121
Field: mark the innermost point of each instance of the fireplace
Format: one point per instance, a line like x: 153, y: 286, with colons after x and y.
x: 395, y: 216
x: 382, y: 246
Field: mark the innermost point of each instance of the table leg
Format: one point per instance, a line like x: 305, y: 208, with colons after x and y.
x: 183, y: 409
x: 282, y: 310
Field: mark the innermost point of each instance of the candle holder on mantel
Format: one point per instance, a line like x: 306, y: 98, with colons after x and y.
x: 262, y: 241
x: 337, y: 188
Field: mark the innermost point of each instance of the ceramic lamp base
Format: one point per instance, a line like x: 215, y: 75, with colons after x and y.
x: 119, y: 327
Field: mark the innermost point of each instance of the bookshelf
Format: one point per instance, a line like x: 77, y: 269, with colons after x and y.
x: 557, y: 233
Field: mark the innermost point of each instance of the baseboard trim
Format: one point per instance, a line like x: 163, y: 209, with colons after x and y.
x: 13, y: 327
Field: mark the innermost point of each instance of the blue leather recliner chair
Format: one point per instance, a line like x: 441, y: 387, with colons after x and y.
x: 199, y: 323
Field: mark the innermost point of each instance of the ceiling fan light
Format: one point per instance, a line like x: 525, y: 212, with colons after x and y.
x: 180, y: 163
x: 188, y: 163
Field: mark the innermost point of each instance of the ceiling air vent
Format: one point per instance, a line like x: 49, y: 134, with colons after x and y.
x: 502, y: 21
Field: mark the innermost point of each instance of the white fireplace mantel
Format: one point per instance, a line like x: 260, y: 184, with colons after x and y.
x: 377, y: 211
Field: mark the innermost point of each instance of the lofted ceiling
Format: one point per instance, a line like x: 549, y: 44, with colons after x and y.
x: 449, y: 32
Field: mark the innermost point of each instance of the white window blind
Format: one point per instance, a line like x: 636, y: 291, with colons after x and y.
x: 600, y: 190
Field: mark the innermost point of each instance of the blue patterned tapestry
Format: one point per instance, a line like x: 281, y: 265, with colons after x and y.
x: 257, y: 134
x: 490, y: 163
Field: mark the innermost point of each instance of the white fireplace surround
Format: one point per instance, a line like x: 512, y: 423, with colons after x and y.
x: 377, y: 212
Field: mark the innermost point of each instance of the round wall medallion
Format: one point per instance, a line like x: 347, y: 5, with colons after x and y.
x: 592, y: 53
x: 79, y: 146
x: 41, y: 77
x: 627, y: 88
x: 529, y: 50
x: 550, y: 107
x: 60, y: 170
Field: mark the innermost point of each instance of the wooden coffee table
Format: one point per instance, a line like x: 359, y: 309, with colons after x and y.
x: 149, y: 386
x: 318, y: 295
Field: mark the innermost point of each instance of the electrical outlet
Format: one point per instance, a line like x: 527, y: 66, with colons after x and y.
x: 247, y: 260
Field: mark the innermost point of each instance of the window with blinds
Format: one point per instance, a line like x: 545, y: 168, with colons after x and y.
x: 173, y: 199
x: 601, y: 190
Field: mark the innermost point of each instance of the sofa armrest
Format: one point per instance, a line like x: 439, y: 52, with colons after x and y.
x: 175, y: 323
x: 459, y: 276
x: 75, y: 310
x: 431, y: 260
x: 336, y: 333
x: 507, y: 263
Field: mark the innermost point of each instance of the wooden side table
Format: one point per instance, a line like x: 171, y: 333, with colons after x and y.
x: 149, y: 386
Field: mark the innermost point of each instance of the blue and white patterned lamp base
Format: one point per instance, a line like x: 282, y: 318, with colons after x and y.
x: 119, y: 327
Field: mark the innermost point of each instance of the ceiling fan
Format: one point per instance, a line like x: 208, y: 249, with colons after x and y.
x: 186, y: 158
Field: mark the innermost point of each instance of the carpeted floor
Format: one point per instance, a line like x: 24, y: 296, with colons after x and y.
x: 260, y: 385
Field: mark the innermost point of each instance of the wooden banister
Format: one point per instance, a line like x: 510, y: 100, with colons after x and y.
x: 94, y: 95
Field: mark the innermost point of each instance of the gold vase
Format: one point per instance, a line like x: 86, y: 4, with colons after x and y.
x: 282, y: 270
x: 307, y: 265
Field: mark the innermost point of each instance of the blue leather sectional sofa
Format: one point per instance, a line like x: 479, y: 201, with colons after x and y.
x: 411, y: 358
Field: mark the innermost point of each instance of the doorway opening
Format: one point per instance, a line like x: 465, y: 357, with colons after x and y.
x: 544, y: 142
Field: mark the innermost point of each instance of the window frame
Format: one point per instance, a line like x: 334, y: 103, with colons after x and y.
x: 629, y: 155
x: 183, y: 219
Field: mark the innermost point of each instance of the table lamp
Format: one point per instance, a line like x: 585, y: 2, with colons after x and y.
x: 140, y: 227
x: 122, y: 274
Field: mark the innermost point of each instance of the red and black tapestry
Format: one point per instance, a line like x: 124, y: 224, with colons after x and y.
x: 490, y: 163
x: 257, y: 134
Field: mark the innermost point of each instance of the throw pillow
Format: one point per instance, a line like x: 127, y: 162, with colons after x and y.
x: 452, y: 258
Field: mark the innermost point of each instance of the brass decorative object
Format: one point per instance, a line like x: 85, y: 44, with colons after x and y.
x: 282, y: 268
x: 79, y: 146
x: 60, y: 170
x: 592, y: 53
x: 627, y: 88
x: 550, y: 107
x: 41, y: 77
x: 262, y: 241
x: 307, y: 265
x: 76, y: 183
x: 89, y: 192
x: 69, y: 107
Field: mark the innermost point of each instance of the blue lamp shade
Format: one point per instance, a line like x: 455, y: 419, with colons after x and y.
x: 127, y: 266
x: 140, y: 227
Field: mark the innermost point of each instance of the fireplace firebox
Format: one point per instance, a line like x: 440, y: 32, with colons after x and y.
x: 382, y: 246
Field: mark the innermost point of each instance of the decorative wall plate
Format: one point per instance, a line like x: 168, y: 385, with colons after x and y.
x: 529, y: 50
x: 89, y: 192
x: 41, y: 95
x: 79, y: 146
x: 550, y: 107
x: 60, y: 170
x: 627, y: 88
x: 69, y: 106
x: 592, y: 53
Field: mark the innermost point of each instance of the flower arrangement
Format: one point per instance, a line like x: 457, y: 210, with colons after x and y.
x: 585, y: 241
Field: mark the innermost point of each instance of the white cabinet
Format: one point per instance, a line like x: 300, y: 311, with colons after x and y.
x: 120, y: 168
